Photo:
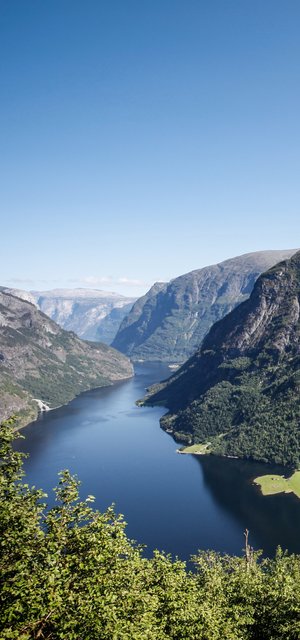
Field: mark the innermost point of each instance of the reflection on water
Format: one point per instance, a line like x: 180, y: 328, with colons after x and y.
x: 171, y: 502
x: 272, y: 520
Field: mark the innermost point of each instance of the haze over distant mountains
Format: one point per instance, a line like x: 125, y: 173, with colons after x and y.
x: 240, y: 391
x: 170, y: 321
x: 38, y: 359
x: 92, y: 314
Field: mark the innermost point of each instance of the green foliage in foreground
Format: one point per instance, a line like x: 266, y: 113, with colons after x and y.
x: 72, y: 574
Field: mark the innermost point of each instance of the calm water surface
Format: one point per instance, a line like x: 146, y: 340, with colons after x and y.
x: 176, y: 503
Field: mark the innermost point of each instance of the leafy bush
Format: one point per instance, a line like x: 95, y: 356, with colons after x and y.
x: 71, y: 573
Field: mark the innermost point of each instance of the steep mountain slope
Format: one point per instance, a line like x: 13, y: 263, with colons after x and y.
x: 20, y: 293
x: 40, y: 360
x: 240, y: 391
x: 108, y: 327
x: 170, y: 321
x: 87, y: 312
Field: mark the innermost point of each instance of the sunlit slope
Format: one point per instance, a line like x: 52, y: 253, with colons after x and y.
x: 169, y: 323
x: 40, y: 360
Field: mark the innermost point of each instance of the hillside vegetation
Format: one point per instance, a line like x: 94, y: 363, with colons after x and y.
x: 240, y: 391
x: 40, y: 360
x: 71, y: 573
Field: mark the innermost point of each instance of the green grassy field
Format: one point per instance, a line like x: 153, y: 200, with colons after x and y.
x: 270, y: 484
x: 198, y: 449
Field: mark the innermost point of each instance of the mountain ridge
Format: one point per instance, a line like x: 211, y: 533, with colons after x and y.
x: 170, y: 321
x: 240, y: 391
x: 40, y: 360
x: 87, y: 312
x: 92, y: 314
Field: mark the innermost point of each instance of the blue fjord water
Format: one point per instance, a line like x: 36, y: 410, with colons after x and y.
x: 176, y: 503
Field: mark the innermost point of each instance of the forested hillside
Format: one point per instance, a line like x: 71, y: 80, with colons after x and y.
x: 239, y: 393
x: 40, y: 361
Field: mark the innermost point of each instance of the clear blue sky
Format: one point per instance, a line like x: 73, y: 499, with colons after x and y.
x: 141, y: 139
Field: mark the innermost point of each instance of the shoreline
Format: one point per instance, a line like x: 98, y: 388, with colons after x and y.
x: 44, y: 408
x: 192, y: 453
x: 272, y: 484
x: 268, y: 484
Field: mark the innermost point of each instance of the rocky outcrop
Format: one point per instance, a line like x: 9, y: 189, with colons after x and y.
x: 20, y: 293
x: 92, y: 314
x: 240, y: 391
x: 170, y: 321
x: 39, y: 361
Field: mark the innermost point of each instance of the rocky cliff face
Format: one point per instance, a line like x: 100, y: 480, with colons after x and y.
x: 91, y: 314
x: 107, y: 328
x: 171, y: 320
x: 40, y: 360
x: 240, y: 391
x: 19, y: 293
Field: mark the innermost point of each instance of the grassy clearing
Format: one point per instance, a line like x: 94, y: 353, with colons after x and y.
x: 197, y: 449
x: 270, y: 484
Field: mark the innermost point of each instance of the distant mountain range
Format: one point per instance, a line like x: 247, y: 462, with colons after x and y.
x: 239, y: 393
x: 39, y: 360
x: 169, y: 323
x: 92, y: 314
